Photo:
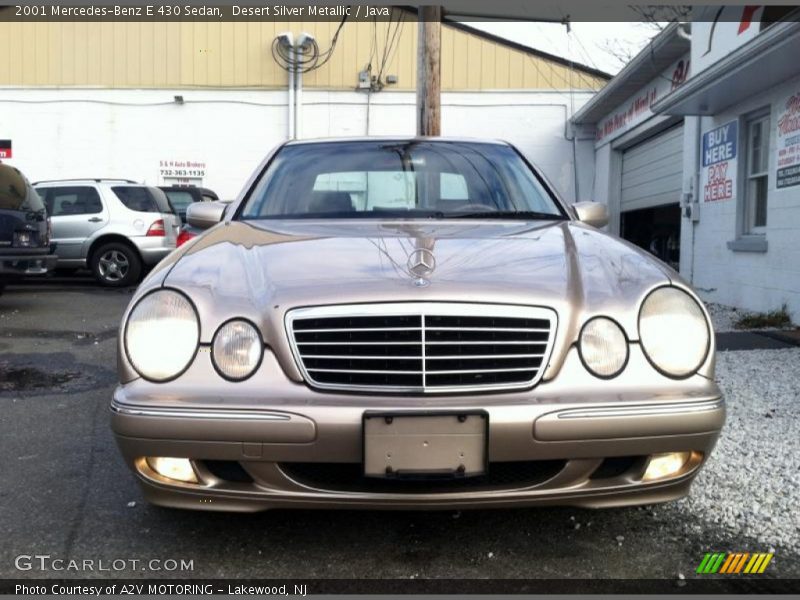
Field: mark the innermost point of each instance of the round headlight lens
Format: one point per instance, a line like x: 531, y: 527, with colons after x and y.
x: 603, y: 347
x: 674, y: 332
x: 162, y: 335
x: 237, y: 349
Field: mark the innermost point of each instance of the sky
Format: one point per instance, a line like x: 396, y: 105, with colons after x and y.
x: 598, y: 45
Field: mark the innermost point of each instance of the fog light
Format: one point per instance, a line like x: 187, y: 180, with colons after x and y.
x: 179, y: 469
x: 665, y: 465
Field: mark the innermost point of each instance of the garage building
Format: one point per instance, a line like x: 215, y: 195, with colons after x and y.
x: 638, y: 153
x: 721, y: 97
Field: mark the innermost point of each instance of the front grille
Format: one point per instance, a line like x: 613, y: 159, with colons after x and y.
x: 421, y: 347
x: 349, y: 477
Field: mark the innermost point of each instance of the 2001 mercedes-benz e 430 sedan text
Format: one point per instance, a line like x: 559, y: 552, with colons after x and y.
x: 411, y: 323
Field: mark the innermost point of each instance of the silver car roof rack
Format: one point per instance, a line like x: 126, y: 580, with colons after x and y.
x: 95, y: 179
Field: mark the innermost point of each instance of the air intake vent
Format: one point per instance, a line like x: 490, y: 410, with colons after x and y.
x: 421, y: 347
x: 349, y: 477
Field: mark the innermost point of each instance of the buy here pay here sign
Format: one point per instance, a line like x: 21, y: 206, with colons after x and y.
x: 718, y: 178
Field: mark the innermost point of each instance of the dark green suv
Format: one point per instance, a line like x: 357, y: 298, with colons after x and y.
x: 24, y: 229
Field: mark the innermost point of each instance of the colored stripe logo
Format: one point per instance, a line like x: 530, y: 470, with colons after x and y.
x: 732, y: 563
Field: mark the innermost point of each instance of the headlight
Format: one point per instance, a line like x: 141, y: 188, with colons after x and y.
x: 162, y: 335
x: 674, y: 332
x: 237, y: 350
x: 603, y: 347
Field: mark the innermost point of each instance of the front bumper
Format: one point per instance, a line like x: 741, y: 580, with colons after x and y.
x: 20, y: 265
x: 572, y: 429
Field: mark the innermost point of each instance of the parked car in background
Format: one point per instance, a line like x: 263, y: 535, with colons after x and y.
x: 208, y: 195
x: 412, y: 323
x: 25, y: 247
x: 182, y: 196
x: 189, y: 231
x: 115, y: 227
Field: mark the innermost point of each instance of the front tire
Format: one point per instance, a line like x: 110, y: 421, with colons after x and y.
x: 116, y: 265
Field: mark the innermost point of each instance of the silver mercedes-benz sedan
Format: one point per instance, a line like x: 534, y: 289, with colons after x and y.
x: 411, y: 323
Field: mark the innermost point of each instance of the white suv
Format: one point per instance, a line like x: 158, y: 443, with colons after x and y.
x: 114, y: 227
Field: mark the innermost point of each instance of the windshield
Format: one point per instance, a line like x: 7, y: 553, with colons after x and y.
x: 409, y: 179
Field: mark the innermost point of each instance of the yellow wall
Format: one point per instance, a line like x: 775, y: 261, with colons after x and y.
x: 238, y: 54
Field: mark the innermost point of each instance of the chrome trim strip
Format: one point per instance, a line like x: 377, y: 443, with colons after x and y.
x: 490, y: 343
x: 424, y: 309
x: 481, y: 356
x: 188, y: 413
x: 355, y: 357
x: 417, y: 343
x: 422, y: 372
x: 512, y: 329
x: 645, y: 410
x: 423, y: 348
x: 457, y: 371
x: 420, y: 357
x: 357, y: 329
x: 376, y: 371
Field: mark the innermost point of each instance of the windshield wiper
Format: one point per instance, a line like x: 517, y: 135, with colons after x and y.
x: 524, y: 215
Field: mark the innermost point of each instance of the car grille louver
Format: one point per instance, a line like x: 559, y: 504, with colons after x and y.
x: 421, y: 347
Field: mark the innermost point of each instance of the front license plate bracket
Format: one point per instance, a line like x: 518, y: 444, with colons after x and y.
x: 425, y: 445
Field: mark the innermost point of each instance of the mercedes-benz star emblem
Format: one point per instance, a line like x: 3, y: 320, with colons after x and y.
x: 421, y: 263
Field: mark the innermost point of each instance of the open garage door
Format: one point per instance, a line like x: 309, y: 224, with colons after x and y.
x: 652, y: 181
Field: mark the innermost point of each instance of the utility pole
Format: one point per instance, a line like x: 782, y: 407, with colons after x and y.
x: 429, y: 88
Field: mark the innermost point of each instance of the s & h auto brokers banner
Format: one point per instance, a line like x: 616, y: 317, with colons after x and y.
x: 788, y: 144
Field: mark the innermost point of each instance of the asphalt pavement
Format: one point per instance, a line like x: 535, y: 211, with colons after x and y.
x: 66, y: 493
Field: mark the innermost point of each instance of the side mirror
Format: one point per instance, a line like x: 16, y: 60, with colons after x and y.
x: 204, y: 214
x: 591, y: 213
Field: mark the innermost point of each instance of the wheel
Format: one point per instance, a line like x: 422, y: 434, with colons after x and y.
x: 116, y: 265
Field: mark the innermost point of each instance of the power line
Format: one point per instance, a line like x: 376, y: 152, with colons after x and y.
x: 391, y: 46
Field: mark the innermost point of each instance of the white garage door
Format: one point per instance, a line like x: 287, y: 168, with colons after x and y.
x: 652, y: 171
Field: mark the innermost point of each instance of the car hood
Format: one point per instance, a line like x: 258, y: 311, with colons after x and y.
x: 258, y: 270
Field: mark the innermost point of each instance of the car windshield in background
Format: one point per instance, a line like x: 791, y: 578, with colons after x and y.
x: 383, y: 179
x: 180, y: 200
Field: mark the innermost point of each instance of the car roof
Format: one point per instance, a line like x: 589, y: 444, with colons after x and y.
x: 407, y: 138
x: 87, y: 180
x: 202, y: 190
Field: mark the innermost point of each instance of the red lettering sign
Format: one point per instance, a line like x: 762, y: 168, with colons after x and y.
x: 747, y: 18
x: 719, y: 186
